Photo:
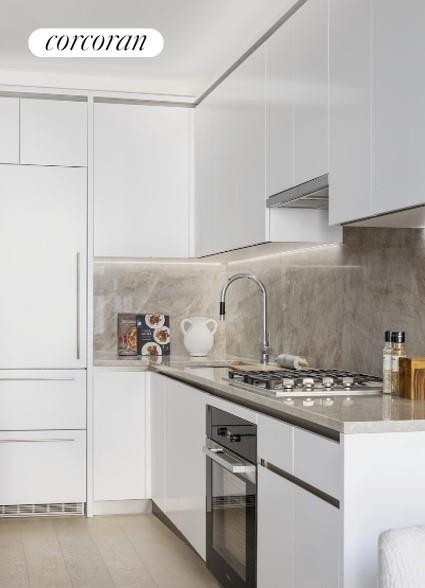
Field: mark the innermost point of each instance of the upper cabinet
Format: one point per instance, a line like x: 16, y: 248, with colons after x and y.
x: 263, y: 130
x: 350, y: 117
x: 297, y: 99
x: 53, y: 132
x: 377, y: 128
x: 310, y: 76
x: 43, y: 132
x: 9, y: 125
x: 398, y: 90
x: 141, y: 180
x: 230, y: 165
x: 279, y: 111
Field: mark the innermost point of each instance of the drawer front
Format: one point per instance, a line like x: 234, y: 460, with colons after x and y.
x: 42, y: 399
x: 275, y: 442
x: 42, y: 466
x: 317, y: 461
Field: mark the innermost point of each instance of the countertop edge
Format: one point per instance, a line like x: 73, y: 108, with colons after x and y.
x: 323, y: 425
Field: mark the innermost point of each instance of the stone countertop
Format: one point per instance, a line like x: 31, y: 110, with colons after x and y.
x: 354, y: 414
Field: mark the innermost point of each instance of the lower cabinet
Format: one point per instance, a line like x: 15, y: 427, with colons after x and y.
x: 120, y: 429
x: 42, y: 437
x: 275, y: 531
x: 298, y: 536
x: 316, y: 541
x: 178, y: 463
x: 42, y: 467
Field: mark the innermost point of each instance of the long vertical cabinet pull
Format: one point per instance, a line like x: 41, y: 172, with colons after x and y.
x: 78, y: 305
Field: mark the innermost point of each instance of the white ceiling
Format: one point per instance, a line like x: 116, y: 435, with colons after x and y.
x: 202, y: 38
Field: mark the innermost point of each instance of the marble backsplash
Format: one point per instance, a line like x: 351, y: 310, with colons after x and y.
x: 180, y: 290
x: 330, y: 303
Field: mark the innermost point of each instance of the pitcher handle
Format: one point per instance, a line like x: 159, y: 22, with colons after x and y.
x: 182, y: 325
x: 214, y: 323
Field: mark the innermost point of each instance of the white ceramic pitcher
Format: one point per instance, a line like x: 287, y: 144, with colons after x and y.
x: 198, y: 336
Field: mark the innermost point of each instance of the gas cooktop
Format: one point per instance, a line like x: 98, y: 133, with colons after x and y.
x: 305, y: 382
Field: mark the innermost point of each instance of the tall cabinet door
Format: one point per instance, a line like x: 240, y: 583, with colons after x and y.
x: 398, y: 135
x: 350, y: 117
x: 43, y: 242
x: 279, y: 111
x: 310, y: 79
x: 230, y: 161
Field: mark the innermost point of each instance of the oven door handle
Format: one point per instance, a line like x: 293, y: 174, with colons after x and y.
x: 229, y: 463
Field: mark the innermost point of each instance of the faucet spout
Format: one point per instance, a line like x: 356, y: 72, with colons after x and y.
x: 265, y: 339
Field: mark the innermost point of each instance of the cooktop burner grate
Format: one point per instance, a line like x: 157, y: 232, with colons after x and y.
x: 284, y: 382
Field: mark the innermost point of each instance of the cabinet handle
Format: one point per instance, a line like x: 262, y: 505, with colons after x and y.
x: 78, y: 305
x: 51, y: 440
x: 37, y: 379
x: 304, y: 485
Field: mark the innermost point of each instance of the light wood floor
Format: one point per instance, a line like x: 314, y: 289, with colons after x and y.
x: 103, y: 552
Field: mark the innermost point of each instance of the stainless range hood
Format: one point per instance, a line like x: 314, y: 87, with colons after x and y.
x: 311, y: 194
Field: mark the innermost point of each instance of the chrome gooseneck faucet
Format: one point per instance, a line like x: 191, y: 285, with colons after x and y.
x: 265, y: 343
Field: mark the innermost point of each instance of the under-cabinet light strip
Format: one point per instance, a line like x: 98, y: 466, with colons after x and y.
x: 155, y: 262
x: 283, y: 253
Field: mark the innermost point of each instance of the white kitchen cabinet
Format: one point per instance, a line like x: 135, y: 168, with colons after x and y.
x: 317, y: 540
x: 53, y: 132
x: 42, y: 399
x: 318, y: 461
x: 376, y: 101
x: 276, y: 528
x: 398, y: 89
x: 141, y: 180
x: 298, y: 536
x: 279, y: 110
x: 299, y: 530
x: 297, y: 99
x: 275, y: 441
x: 310, y: 90
x: 9, y: 130
x: 120, y: 435
x: 185, y: 470
x: 41, y: 467
x: 157, y: 385
x: 43, y: 253
x: 230, y: 166
x: 350, y: 112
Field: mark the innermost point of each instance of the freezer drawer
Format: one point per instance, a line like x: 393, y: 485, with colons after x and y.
x: 42, y: 399
x: 42, y: 467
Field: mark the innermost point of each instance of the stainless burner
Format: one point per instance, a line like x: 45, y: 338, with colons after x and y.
x: 308, y: 382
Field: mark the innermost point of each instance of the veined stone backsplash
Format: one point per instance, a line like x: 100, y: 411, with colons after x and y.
x: 331, y: 304
x: 180, y: 291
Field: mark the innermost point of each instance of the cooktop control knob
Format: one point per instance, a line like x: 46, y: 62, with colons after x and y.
x: 308, y: 383
x: 288, y: 383
x: 348, y: 382
x: 328, y: 382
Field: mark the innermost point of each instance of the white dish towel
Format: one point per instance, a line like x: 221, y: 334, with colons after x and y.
x: 402, y: 558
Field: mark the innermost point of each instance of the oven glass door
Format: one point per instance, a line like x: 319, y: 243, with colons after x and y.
x: 231, y: 525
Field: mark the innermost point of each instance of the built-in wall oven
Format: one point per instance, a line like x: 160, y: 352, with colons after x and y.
x: 231, y: 450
